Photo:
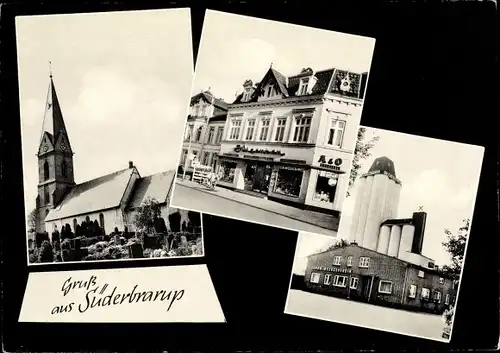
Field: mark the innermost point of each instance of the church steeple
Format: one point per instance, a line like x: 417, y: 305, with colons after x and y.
x: 55, y: 158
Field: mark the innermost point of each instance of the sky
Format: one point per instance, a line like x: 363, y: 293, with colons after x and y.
x: 234, y: 48
x: 439, y: 175
x: 123, y: 80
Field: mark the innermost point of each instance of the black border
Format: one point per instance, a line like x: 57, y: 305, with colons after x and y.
x: 433, y: 74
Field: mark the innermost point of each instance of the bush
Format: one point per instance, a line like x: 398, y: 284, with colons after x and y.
x: 33, y: 255
x: 45, y: 254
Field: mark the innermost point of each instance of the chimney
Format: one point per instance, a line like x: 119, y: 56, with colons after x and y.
x: 418, y: 220
x: 131, y: 164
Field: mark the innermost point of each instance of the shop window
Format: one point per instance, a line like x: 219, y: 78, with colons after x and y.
x: 437, y: 296
x: 339, y: 281
x: 288, y: 182
x: 421, y: 274
x: 264, y: 129
x: 385, y: 287
x: 280, y: 130
x: 447, y: 299
x: 234, y: 133
x: 349, y: 261
x: 412, y: 293
x: 425, y: 293
x: 364, y: 262
x: 250, y: 130
x: 336, y: 260
x: 441, y: 280
x: 354, y: 283
x: 210, y: 134
x: 314, y: 277
x: 326, y: 185
x: 226, y: 171
x: 336, y: 133
x: 302, y: 126
x: 328, y: 279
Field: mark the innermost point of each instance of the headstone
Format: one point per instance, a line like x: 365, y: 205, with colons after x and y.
x: 135, y: 251
x: 184, y: 241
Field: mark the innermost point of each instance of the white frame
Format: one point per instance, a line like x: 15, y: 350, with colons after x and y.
x: 421, y: 274
x: 262, y: 126
x: 349, y: 261
x: 355, y: 281
x: 414, y: 294
x: 439, y: 297
x: 441, y: 280
x: 380, y: 285
x: 313, y: 274
x: 333, y: 124
x: 337, y: 259
x: 278, y: 126
x: 361, y: 262
x: 428, y: 291
x: 234, y: 127
x: 336, y: 280
x: 248, y: 127
x: 447, y: 299
x: 329, y: 277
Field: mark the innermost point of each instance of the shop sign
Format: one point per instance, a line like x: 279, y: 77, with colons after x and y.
x: 330, y: 163
x: 268, y: 159
x: 332, y: 269
x: 243, y: 148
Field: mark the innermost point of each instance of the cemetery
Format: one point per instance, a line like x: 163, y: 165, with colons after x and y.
x: 87, y: 241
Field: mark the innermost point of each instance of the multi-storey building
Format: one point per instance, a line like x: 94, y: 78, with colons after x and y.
x: 292, y: 138
x: 204, y: 130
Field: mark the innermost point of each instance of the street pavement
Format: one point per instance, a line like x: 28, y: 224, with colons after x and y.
x: 365, y: 315
x: 227, y: 203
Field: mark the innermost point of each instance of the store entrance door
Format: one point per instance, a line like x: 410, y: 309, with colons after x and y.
x: 367, y: 287
x: 261, y: 178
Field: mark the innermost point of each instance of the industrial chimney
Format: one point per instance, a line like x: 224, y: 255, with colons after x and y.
x: 130, y: 164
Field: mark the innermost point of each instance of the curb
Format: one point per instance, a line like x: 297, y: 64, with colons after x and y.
x: 260, y: 208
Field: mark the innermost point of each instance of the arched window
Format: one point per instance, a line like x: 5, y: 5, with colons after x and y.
x: 46, y: 170
x: 64, y: 169
x: 75, y: 223
x: 101, y: 221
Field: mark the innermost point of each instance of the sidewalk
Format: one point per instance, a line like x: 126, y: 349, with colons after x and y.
x: 314, y: 218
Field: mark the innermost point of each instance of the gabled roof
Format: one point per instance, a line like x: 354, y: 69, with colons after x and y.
x: 156, y: 186
x: 94, y: 195
x: 209, y: 98
x: 327, y: 81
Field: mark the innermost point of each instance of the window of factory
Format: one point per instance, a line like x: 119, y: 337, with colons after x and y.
x: 250, y: 129
x: 349, y: 261
x: 385, y: 287
x: 413, y: 291
x: 328, y: 279
x: 339, y: 281
x: 226, y: 171
x: 234, y: 133
x: 421, y: 274
x: 354, y: 282
x: 314, y: 277
x: 326, y: 185
x: 425, y: 293
x: 447, y: 299
x: 437, y: 296
x: 441, y: 280
x: 364, y: 262
x: 288, y: 182
x: 336, y: 260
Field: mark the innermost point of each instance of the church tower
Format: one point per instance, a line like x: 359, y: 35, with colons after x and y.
x: 55, y: 159
x: 377, y: 200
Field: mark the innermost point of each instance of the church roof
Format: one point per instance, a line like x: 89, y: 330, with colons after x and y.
x: 94, y: 195
x: 155, y: 186
x: 53, y: 122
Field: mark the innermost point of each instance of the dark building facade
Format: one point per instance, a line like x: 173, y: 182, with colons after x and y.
x: 362, y: 274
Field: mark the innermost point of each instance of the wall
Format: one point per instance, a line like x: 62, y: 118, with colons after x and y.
x: 431, y: 281
x: 112, y: 218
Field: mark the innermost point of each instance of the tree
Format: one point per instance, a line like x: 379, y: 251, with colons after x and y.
x: 32, y: 221
x: 455, y: 246
x: 45, y: 254
x: 361, y: 152
x: 146, y: 213
x: 338, y: 244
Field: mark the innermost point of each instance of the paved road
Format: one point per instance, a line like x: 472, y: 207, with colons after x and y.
x: 190, y: 198
x: 365, y: 315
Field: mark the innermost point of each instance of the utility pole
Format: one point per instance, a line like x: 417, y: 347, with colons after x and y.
x: 188, y: 152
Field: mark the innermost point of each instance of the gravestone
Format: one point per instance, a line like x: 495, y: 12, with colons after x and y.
x: 135, y: 251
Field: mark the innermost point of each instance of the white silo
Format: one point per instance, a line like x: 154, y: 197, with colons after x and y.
x: 360, y: 185
x: 406, y: 241
x: 383, y: 239
x: 394, y: 241
x: 363, y: 209
x: 378, y: 199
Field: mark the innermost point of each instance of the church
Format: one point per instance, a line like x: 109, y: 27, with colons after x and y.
x: 112, y: 200
x: 382, y: 262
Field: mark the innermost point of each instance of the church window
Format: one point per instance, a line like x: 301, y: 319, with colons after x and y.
x: 46, y: 173
x: 64, y: 169
x: 101, y: 221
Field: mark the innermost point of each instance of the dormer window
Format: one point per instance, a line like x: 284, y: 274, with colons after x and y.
x: 304, y: 86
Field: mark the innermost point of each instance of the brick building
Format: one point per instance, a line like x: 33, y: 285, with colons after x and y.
x: 362, y: 274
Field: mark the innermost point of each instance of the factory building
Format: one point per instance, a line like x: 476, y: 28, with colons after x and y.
x: 383, y: 263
